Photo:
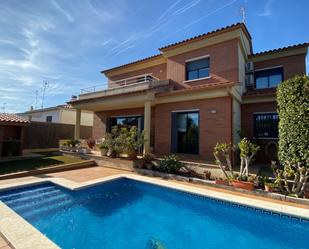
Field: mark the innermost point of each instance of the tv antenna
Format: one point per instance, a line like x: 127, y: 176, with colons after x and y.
x: 36, y: 98
x: 45, y: 85
x: 243, y: 14
x: 3, y: 107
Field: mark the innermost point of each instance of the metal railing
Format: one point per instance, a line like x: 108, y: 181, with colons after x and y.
x: 140, y: 79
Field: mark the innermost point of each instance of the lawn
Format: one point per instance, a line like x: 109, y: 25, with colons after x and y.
x: 47, y: 159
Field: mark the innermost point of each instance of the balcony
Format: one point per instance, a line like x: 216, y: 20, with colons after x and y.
x: 124, y: 86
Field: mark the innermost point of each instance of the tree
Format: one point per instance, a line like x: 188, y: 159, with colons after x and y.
x: 293, y: 110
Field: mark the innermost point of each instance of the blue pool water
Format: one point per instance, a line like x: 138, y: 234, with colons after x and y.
x: 127, y: 214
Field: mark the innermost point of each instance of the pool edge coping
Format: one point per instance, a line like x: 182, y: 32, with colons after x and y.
x: 20, y: 234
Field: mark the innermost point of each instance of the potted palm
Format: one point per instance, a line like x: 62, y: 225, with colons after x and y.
x: 247, y: 152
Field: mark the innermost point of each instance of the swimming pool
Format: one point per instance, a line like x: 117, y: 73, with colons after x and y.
x: 125, y: 213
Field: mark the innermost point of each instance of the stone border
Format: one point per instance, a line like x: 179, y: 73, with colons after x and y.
x: 211, y: 183
x: 50, y: 169
x: 22, y: 235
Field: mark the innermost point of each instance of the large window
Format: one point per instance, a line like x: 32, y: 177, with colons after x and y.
x: 268, y: 78
x: 126, y: 122
x: 197, y: 69
x: 185, y: 132
x: 266, y: 125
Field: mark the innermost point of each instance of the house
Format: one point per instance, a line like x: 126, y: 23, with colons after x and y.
x: 197, y: 92
x: 11, y: 134
x: 63, y: 114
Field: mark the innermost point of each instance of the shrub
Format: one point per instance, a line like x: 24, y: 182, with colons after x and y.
x: 293, y: 110
x: 170, y: 164
x: 131, y: 141
x: 72, y: 142
x: 247, y: 152
x: 90, y: 143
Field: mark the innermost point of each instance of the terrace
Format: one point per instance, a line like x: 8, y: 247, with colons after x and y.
x: 123, y: 86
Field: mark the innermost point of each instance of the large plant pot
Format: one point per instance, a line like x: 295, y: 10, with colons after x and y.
x: 242, y: 185
x: 104, y: 152
x: 222, y: 182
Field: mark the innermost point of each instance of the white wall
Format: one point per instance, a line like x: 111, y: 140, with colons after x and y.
x: 68, y: 116
x: 41, y: 116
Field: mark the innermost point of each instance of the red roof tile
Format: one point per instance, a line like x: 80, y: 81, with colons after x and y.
x: 305, y: 44
x: 242, y: 25
x: 12, y: 118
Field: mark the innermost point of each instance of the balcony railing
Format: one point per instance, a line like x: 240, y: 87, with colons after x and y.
x: 140, y: 79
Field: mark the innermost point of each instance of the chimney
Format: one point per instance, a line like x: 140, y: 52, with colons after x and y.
x: 73, y: 97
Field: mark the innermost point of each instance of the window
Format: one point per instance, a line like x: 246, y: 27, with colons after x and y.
x: 197, y: 69
x: 126, y: 122
x: 49, y: 119
x: 268, y: 78
x: 185, y: 132
x: 266, y: 125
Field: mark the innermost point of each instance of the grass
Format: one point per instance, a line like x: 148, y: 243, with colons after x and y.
x: 47, y: 159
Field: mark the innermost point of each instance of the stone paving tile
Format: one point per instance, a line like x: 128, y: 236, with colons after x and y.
x: 4, y: 244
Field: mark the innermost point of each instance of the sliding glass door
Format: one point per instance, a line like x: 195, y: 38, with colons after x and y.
x: 185, y: 132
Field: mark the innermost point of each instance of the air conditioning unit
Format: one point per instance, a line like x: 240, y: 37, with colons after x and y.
x: 249, y: 79
x: 249, y: 67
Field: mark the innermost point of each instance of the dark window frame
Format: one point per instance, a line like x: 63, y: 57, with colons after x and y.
x: 174, y: 144
x: 273, y: 132
x: 49, y: 119
x: 267, y: 73
x: 197, y: 69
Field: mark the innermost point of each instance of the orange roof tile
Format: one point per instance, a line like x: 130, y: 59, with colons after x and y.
x: 12, y: 118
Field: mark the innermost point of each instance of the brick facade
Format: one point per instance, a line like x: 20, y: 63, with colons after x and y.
x: 247, y: 111
x: 223, y: 63
x: 214, y: 127
x: 292, y: 65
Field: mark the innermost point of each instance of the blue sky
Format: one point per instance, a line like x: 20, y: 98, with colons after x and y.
x: 68, y: 43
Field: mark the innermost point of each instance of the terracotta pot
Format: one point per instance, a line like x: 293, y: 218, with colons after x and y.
x: 242, y: 185
x: 222, y: 182
x: 268, y: 188
x: 306, y: 194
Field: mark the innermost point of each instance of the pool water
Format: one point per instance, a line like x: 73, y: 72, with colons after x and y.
x: 128, y: 214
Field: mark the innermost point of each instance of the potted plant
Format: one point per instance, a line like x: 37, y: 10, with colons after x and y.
x: 131, y: 141
x: 72, y: 144
x: 103, y: 149
x: 247, y: 152
x: 243, y: 182
x: 90, y: 143
x: 269, y: 186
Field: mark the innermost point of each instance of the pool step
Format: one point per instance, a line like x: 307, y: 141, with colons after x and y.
x: 31, y: 203
x: 44, y: 210
x: 34, y: 196
x: 26, y: 192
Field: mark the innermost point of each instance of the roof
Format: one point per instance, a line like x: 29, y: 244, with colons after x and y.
x: 12, y: 118
x: 283, y: 49
x: 133, y: 62
x: 58, y: 107
x: 202, y: 36
x: 208, y: 34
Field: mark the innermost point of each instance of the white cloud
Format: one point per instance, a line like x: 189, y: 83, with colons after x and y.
x: 68, y: 16
x: 267, y: 9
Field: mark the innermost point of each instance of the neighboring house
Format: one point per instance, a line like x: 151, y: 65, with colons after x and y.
x: 63, y: 114
x: 196, y: 92
x: 11, y: 134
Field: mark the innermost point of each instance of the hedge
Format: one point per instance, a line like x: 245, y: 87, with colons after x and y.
x: 293, y: 109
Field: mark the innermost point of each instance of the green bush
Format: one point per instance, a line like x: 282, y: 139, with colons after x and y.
x: 170, y: 164
x: 293, y: 109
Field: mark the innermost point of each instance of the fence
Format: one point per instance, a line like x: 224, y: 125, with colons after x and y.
x: 39, y: 135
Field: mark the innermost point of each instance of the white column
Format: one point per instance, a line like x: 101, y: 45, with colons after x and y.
x: 77, y: 124
x: 147, y: 120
